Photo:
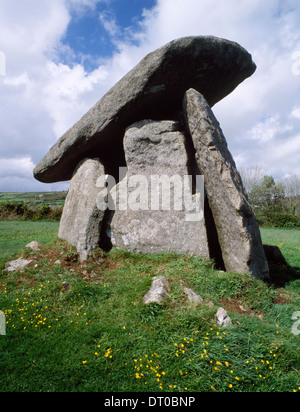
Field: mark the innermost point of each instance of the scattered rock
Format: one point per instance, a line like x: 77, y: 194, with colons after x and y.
x: 81, y: 220
x: 16, y: 265
x: 209, y: 304
x: 35, y: 246
x: 153, y: 89
x: 236, y: 225
x: 193, y: 297
x: 160, y: 218
x: 66, y: 287
x: 158, y: 292
x: 57, y: 262
x: 222, y: 318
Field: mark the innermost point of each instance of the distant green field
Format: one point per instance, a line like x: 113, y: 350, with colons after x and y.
x: 15, y: 235
x: 46, y: 198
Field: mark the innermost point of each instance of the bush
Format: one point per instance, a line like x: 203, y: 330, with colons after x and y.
x: 13, y: 208
x: 20, y: 209
x: 45, y: 211
x: 23, y: 211
x: 282, y: 220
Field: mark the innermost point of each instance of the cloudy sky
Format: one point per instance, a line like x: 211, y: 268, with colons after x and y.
x: 59, y: 57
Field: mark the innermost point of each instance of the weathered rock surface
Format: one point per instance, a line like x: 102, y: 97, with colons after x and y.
x: 193, y: 297
x: 35, y: 246
x: 236, y: 225
x: 158, y: 291
x: 223, y: 318
x: 157, y: 218
x: 16, y: 265
x: 81, y: 220
x: 153, y: 89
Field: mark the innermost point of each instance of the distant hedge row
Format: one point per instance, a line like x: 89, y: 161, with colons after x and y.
x: 283, y: 220
x: 23, y: 211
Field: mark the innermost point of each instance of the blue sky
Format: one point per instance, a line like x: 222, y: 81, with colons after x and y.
x: 93, y: 34
x: 62, y: 56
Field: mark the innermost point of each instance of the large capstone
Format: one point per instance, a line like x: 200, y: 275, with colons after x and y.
x: 154, y: 89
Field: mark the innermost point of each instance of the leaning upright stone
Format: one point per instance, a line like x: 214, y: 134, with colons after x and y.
x: 237, y: 227
x: 81, y: 220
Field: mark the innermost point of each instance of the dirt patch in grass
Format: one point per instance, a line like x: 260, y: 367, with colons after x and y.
x: 233, y: 305
x: 66, y: 258
x: 236, y: 306
x: 282, y: 299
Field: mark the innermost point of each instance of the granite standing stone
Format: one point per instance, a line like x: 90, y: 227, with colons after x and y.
x: 236, y: 225
x: 159, y: 216
x: 81, y: 220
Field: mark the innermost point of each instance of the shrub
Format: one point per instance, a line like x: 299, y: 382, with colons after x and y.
x: 20, y: 209
x: 23, y: 211
x: 45, y: 211
x: 282, y: 220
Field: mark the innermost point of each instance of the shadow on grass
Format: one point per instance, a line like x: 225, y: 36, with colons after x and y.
x: 281, y: 275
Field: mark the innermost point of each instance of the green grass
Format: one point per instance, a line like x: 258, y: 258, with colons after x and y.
x: 100, y: 337
x: 15, y: 235
x: 36, y: 199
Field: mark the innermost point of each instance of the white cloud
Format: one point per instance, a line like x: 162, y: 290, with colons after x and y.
x: 268, y: 129
x: 30, y: 30
x: 109, y: 22
x: 41, y: 97
x: 21, y: 167
x: 72, y: 87
x: 296, y: 112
